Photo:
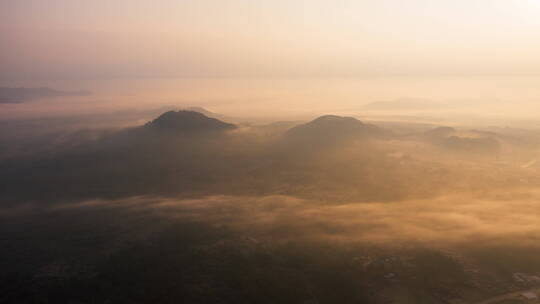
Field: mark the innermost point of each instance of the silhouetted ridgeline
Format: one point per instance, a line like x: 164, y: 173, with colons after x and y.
x: 186, y: 122
x: 18, y: 95
x: 187, y: 153
x: 191, y: 209
x: 331, y: 129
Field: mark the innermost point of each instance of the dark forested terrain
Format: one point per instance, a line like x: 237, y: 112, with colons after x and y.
x: 191, y: 209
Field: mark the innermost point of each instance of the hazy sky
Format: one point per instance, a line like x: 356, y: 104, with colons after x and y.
x: 65, y: 39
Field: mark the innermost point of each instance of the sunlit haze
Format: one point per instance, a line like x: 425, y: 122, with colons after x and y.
x: 270, y: 151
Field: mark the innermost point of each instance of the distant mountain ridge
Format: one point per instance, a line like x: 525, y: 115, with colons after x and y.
x: 471, y: 141
x: 332, y: 128
x: 19, y: 95
x: 187, y: 121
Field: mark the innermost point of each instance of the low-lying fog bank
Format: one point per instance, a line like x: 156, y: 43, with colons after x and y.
x: 457, y: 248
x: 190, y: 207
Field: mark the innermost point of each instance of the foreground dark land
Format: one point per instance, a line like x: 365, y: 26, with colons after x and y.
x: 191, y: 209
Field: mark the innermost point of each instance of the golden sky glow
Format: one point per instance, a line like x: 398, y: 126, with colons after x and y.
x: 166, y: 38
